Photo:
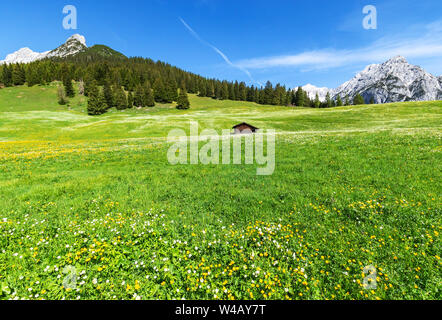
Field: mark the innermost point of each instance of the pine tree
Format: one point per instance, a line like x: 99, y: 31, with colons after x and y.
x: 171, y: 93
x: 300, y: 102
x: 7, y: 76
x: 256, y: 96
x: 372, y: 100
x: 130, y: 100
x: 307, y: 102
x: 68, y: 87
x: 202, y: 91
x: 225, y: 91
x: 210, y: 90
x: 159, y: 91
x: 138, y: 97
x: 183, y: 100
x: 242, y: 92
x: 358, y: 100
x: 32, y: 77
x: 339, y: 101
x: 328, y: 101
x: 108, y: 94
x: 317, y: 102
x: 96, y: 104
x: 236, y: 91
x: 148, y: 97
x: 347, y: 100
x: 120, y: 99
x: 232, y: 95
x: 18, y: 75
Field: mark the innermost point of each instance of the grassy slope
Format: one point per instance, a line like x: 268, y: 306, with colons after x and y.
x: 353, y: 186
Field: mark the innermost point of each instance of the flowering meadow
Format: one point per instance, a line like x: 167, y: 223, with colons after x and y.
x: 89, y: 213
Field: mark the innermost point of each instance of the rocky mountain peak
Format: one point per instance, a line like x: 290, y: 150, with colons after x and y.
x: 395, y: 80
x: 73, y: 45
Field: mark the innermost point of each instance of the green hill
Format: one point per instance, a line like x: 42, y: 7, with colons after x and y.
x: 100, y: 51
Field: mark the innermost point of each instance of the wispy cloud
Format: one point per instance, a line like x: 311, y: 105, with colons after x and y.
x: 425, y: 44
x: 218, y: 51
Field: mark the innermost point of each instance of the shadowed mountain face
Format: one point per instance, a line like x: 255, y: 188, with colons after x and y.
x: 393, y: 81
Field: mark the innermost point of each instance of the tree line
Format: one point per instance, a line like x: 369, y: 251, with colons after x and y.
x: 139, y: 82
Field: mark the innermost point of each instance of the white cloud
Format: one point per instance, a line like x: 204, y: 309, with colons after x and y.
x: 427, y: 44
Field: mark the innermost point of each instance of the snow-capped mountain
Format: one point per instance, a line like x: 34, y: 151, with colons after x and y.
x: 393, y: 81
x: 24, y: 55
x: 73, y: 45
x: 313, y: 90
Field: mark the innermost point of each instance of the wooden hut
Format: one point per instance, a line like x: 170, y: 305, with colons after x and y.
x: 244, y: 128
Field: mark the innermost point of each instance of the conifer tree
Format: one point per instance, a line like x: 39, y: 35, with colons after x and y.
x: 339, y: 101
x: 183, y: 100
x: 225, y: 91
x: 328, y: 101
x: 256, y: 96
x: 317, y: 102
x: 307, y: 101
x: 347, y: 100
x: 97, y: 102
x: 32, y: 77
x: 108, y: 94
x: 68, y: 87
x: 236, y: 91
x: 159, y: 91
x: 268, y: 94
x: 358, y: 100
x: 148, y: 98
x: 130, y: 100
x: 288, y: 98
x: 210, y: 92
x: 232, y: 95
x: 138, y: 97
x: 300, y: 97
x: 18, y: 75
x: 203, y: 91
x: 171, y: 91
x: 7, y: 76
x: 120, y: 99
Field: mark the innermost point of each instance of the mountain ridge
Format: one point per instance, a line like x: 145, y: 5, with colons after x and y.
x: 395, y: 80
x: 74, y: 45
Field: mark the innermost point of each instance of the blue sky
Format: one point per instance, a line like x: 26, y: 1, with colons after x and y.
x: 291, y: 42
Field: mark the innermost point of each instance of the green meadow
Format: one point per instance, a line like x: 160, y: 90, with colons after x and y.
x: 90, y: 207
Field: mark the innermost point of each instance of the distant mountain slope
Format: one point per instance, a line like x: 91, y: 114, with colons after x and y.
x: 97, y: 52
x: 74, y: 48
x: 393, y: 81
x: 24, y: 55
x: 313, y: 90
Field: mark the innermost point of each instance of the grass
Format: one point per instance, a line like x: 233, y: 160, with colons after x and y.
x: 353, y: 187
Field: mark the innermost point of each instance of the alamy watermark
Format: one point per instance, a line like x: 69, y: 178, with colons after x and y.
x: 70, y: 20
x: 370, y: 281
x: 225, y: 149
x: 70, y: 281
x: 370, y: 21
